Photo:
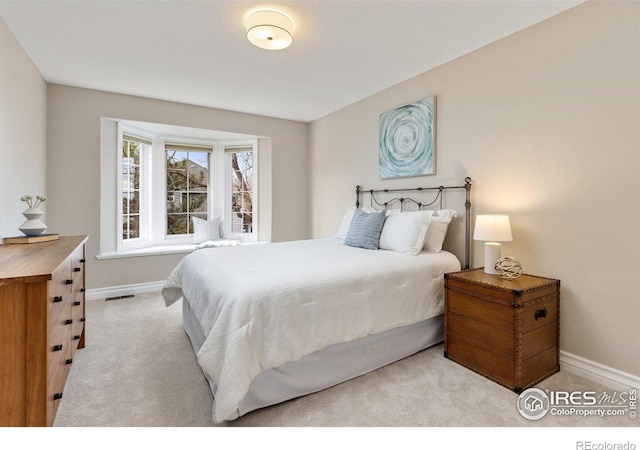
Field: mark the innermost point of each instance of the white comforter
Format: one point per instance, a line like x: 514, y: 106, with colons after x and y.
x: 261, y: 306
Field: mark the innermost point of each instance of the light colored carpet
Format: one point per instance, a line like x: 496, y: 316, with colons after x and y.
x: 138, y: 370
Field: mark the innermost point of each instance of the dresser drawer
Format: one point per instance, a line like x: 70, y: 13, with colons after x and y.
x: 77, y: 306
x: 77, y: 268
x: 55, y: 392
x: 59, y: 343
x: 59, y: 291
x: 77, y: 329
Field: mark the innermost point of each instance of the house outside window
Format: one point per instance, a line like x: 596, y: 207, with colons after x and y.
x: 187, y: 184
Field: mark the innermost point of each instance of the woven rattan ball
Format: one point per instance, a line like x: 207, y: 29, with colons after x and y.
x: 508, y: 268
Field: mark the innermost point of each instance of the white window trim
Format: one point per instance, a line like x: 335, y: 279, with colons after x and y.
x: 146, y: 178
x: 162, y: 238
x: 156, y: 242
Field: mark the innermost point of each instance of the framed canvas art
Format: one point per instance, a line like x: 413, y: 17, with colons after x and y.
x: 407, y: 140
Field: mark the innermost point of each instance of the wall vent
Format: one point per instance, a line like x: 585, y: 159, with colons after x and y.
x: 119, y: 297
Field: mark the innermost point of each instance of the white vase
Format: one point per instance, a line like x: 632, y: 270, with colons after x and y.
x: 33, y: 226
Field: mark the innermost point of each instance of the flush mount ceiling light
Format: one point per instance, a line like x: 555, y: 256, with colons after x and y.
x: 270, y: 30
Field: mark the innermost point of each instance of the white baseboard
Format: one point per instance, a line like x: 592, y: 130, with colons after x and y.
x: 119, y: 291
x: 605, y: 375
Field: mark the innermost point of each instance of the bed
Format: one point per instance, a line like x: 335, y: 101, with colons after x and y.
x: 271, y: 322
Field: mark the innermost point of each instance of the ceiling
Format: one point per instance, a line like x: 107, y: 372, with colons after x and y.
x: 196, y: 52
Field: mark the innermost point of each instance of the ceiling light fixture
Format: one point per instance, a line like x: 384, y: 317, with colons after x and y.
x: 270, y: 30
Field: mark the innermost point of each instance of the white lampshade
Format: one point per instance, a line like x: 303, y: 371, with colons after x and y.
x: 492, y: 228
x: 270, y: 30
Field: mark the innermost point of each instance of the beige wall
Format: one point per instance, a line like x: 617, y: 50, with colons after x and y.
x: 546, y: 123
x: 23, y: 132
x: 74, y: 139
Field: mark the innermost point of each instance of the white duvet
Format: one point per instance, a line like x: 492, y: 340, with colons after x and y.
x: 261, y: 306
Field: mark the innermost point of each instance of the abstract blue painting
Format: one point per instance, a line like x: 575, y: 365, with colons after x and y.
x: 407, y: 140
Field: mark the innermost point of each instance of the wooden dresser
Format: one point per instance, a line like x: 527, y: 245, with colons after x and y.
x: 504, y: 330
x: 42, y: 313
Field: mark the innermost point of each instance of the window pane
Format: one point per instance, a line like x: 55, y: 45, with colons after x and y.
x: 176, y: 179
x: 134, y: 203
x: 198, y: 203
x: 177, y: 159
x: 173, y: 202
x: 176, y: 224
x: 135, y: 182
x: 134, y: 153
x: 130, y: 227
x: 242, y: 192
x: 187, y: 189
x: 198, y: 179
x: 131, y: 188
x: 177, y: 201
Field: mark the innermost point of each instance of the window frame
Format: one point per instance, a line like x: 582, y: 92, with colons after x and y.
x: 144, y: 239
x: 227, y: 147
x: 153, y: 237
x: 163, y: 238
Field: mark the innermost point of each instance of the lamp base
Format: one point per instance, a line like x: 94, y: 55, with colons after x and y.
x: 492, y: 253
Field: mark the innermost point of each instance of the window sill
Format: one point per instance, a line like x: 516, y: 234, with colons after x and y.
x: 149, y: 251
x: 158, y: 250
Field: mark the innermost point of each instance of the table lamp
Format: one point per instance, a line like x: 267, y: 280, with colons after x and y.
x: 492, y: 228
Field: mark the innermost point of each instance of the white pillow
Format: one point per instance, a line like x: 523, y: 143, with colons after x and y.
x: 346, y: 221
x: 405, y: 232
x: 437, y: 231
x: 205, y: 230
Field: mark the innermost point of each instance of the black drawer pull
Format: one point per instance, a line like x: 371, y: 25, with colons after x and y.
x: 57, y: 299
x: 77, y: 303
x: 81, y: 289
x: 77, y: 269
x: 69, y: 361
x: 76, y: 337
x: 68, y: 321
x: 540, y: 313
x: 82, y: 319
x: 83, y: 260
x: 57, y: 396
x: 57, y: 348
x: 69, y: 282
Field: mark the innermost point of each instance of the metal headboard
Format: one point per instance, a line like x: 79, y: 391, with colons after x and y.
x: 438, y: 197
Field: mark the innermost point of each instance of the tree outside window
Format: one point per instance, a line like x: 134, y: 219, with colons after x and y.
x: 187, y: 188
x: 130, y: 189
x: 242, y: 192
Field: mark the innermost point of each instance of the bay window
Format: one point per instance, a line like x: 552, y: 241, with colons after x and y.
x: 164, y: 181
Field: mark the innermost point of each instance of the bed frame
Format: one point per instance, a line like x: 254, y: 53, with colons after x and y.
x: 374, y: 195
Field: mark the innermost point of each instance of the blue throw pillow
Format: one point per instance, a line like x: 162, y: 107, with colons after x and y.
x: 365, y: 229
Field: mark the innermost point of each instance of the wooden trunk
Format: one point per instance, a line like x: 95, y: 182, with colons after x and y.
x: 504, y: 330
